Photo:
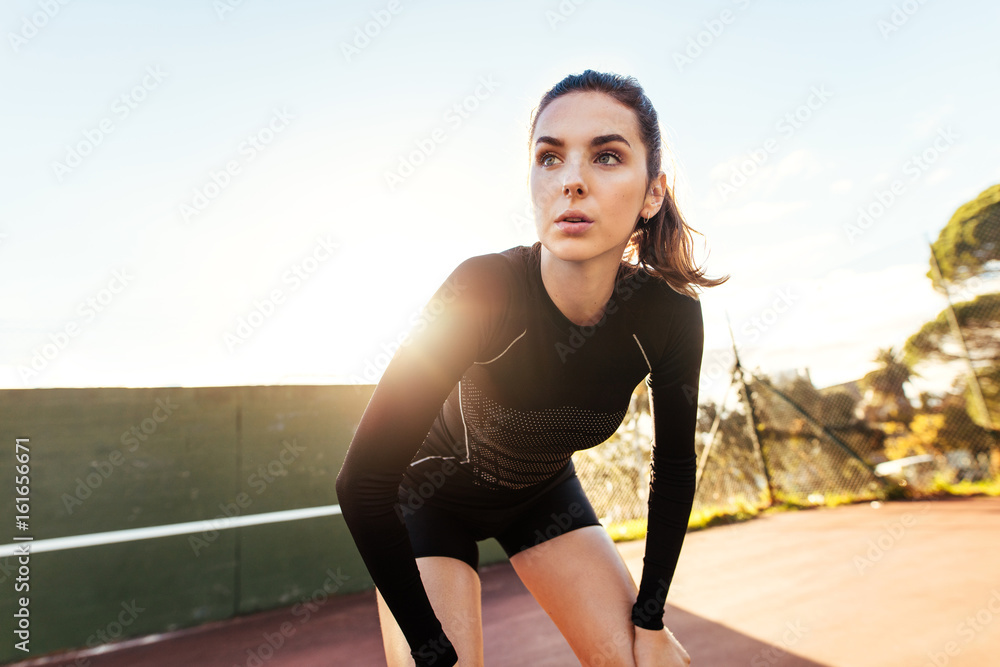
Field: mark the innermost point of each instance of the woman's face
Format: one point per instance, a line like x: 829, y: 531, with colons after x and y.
x: 587, y: 157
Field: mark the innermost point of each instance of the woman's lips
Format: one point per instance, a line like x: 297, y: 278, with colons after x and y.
x: 573, y: 227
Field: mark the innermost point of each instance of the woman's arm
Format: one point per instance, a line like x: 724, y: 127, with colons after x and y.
x: 456, y: 326
x: 673, y: 384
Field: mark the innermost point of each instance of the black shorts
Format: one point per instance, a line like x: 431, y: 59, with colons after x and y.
x: 453, y: 530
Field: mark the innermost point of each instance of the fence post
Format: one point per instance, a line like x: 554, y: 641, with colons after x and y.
x: 751, y: 416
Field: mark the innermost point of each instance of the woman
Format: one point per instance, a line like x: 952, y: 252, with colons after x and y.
x: 523, y: 357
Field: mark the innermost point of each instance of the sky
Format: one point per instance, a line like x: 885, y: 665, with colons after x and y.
x: 234, y: 192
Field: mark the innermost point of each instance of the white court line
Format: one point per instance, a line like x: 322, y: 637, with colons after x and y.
x: 131, y: 534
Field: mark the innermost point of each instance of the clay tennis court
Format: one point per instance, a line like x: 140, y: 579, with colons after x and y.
x: 903, y: 583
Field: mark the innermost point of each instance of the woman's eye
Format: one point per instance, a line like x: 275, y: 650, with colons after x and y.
x: 611, y: 154
x: 544, y: 159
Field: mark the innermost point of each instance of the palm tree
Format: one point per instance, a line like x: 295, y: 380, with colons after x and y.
x: 884, y: 399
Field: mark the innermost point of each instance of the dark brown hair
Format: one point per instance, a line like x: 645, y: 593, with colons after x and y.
x: 662, y: 244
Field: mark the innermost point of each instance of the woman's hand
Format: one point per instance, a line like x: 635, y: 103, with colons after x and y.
x: 658, y: 648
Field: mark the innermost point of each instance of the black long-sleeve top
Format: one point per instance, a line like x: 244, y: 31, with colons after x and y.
x: 495, y: 378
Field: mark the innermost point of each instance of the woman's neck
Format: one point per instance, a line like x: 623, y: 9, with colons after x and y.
x: 580, y: 289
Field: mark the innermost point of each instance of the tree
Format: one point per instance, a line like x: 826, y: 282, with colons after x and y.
x: 979, y: 321
x: 969, y: 245
x: 884, y: 398
x: 967, y: 250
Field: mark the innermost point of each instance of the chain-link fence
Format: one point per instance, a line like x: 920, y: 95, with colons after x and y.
x: 770, y: 442
x: 615, y: 474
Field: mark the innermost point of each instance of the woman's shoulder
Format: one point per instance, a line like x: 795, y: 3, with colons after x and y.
x: 490, y: 277
x: 654, y: 293
x: 508, y: 269
x: 660, y: 313
x: 500, y: 259
x: 521, y: 257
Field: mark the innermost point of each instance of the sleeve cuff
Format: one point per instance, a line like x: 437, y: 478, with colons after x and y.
x: 437, y: 652
x: 647, y: 620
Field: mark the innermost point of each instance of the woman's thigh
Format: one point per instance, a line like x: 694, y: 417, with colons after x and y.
x: 582, y: 583
x: 453, y: 589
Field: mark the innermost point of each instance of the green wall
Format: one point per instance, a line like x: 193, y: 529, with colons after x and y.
x: 108, y: 459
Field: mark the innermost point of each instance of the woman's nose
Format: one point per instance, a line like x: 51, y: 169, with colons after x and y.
x: 573, y: 183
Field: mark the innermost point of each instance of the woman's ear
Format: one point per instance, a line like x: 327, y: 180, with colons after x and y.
x: 657, y: 191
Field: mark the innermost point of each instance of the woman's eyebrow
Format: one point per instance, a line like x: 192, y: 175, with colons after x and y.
x: 596, y: 141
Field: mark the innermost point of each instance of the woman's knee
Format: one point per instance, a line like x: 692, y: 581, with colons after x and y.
x: 584, y: 585
x: 454, y: 591
x: 611, y: 649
